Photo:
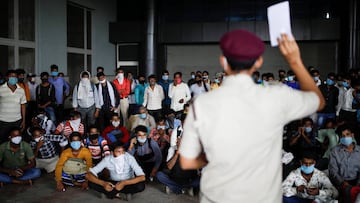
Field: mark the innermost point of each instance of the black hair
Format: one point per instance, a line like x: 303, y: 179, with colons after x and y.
x: 355, y: 82
x: 152, y: 76
x: 93, y: 126
x: 85, y: 73
x: 307, y: 119
x: 257, y: 73
x: 54, y: 66
x: 20, y: 71
x: 74, y: 134
x: 33, y: 129
x: 183, y: 117
x: 44, y: 74
x: 331, y: 75
x: 141, y: 128
x: 118, y: 69
x: 178, y: 73
x: 74, y: 113
x: 342, y: 128
x: 99, y: 74
x: 117, y: 144
x: 205, y: 72
x: 99, y: 68
x: 314, y: 71
x: 309, y: 154
x: 165, y: 71
x: 9, y: 72
x: 12, y: 129
x: 270, y: 75
x: 240, y: 65
x: 290, y: 72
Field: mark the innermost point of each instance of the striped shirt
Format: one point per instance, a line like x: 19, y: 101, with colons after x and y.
x: 66, y: 129
x: 10, y: 109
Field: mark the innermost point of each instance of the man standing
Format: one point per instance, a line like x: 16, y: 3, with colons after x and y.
x: 123, y: 87
x: 165, y: 83
x: 12, y: 105
x: 179, y: 93
x: 86, y: 99
x: 62, y: 89
x: 153, y: 96
x: 31, y: 106
x: 242, y: 154
x: 45, y: 96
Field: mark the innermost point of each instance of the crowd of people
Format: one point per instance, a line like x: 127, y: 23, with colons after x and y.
x: 121, y: 133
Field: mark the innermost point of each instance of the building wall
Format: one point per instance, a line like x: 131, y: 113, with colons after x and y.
x: 52, y: 40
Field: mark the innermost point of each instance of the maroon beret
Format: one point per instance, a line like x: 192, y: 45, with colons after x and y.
x: 241, y: 45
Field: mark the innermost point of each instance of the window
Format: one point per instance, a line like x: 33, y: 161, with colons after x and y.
x: 78, y: 40
x: 17, y: 35
x: 128, y: 57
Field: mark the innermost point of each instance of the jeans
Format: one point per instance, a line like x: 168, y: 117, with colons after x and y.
x: 50, y: 111
x: 29, y: 174
x: 322, y: 118
x: 174, y: 186
x: 128, y: 189
x: 87, y: 115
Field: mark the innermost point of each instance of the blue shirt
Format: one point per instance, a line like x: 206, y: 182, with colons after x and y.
x: 61, y: 86
x: 139, y: 93
x: 165, y: 86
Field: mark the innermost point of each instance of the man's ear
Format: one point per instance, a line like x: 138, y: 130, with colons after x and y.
x: 224, y: 64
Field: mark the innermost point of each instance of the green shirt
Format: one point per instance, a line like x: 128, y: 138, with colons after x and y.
x: 12, y: 160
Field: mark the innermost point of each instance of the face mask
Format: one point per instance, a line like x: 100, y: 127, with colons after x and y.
x: 205, y: 77
x: 39, y: 138
x: 102, y: 81
x: 141, y: 140
x: 217, y: 81
x: 21, y: 79
x: 345, y: 84
x: 54, y: 73
x: 75, y: 145
x: 307, y: 169
x: 165, y: 77
x: 308, y: 129
x: 16, y: 140
x: 192, y: 76
x: 152, y: 83
x: 161, y: 127
x: 76, y: 122
x: 143, y: 115
x: 12, y: 80
x: 346, y: 141
x: 44, y: 80
x: 115, y: 123
x: 33, y: 79
x: 120, y: 75
x: 119, y: 157
x: 329, y: 82
x: 178, y: 81
x: 93, y: 136
x: 290, y: 78
x: 141, y: 81
x: 84, y: 80
x: 316, y: 79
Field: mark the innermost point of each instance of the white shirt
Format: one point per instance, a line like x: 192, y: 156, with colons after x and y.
x: 235, y: 127
x: 130, y: 166
x: 178, y: 92
x: 327, y: 191
x: 341, y: 99
x: 10, y: 103
x: 153, y: 97
x: 348, y: 99
x: 196, y: 90
x: 32, y: 89
x: 86, y: 102
x: 131, y: 96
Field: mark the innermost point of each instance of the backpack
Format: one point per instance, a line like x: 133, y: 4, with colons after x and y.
x: 49, y: 91
x: 115, y: 135
x: 74, y: 166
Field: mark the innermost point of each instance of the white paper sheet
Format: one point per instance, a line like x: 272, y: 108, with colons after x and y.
x: 279, y: 21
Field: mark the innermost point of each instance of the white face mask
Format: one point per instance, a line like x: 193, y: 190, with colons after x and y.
x: 84, y: 80
x: 16, y: 140
x: 33, y: 79
x: 76, y: 122
x: 102, y: 81
x: 115, y: 123
x: 120, y: 75
x: 38, y: 139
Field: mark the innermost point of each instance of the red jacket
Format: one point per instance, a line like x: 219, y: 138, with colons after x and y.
x: 110, y: 128
x: 125, y: 87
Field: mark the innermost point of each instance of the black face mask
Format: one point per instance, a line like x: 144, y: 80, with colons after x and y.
x: 21, y: 79
x: 141, y: 81
x: 44, y: 80
x: 93, y: 136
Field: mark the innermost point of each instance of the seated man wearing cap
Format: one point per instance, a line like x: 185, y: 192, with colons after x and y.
x: 308, y: 184
x: 241, y: 146
x: 122, y: 167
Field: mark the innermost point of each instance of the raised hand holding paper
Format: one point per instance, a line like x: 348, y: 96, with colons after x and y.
x: 279, y: 21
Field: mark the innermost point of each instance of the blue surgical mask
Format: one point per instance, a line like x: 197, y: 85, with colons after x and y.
x: 329, y: 82
x: 290, y: 78
x: 217, y: 81
x: 192, y: 76
x: 12, y: 80
x: 75, y: 145
x: 307, y: 169
x: 54, y: 73
x: 316, y: 78
x: 308, y: 129
x: 141, y: 140
x: 346, y: 141
x: 345, y: 84
x: 165, y: 77
x: 143, y: 115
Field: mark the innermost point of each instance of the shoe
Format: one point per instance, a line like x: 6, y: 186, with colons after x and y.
x: 191, y: 192
x: 167, y: 190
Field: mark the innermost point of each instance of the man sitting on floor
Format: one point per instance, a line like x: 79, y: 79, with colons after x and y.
x: 122, y: 167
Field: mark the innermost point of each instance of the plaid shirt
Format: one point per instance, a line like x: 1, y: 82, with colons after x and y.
x: 48, y: 150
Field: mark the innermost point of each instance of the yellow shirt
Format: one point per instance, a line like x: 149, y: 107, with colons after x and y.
x: 66, y: 154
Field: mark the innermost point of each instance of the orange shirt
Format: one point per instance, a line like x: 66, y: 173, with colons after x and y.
x: 26, y: 89
x: 124, y: 88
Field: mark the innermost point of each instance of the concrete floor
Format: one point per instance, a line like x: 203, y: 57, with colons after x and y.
x: 44, y: 190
